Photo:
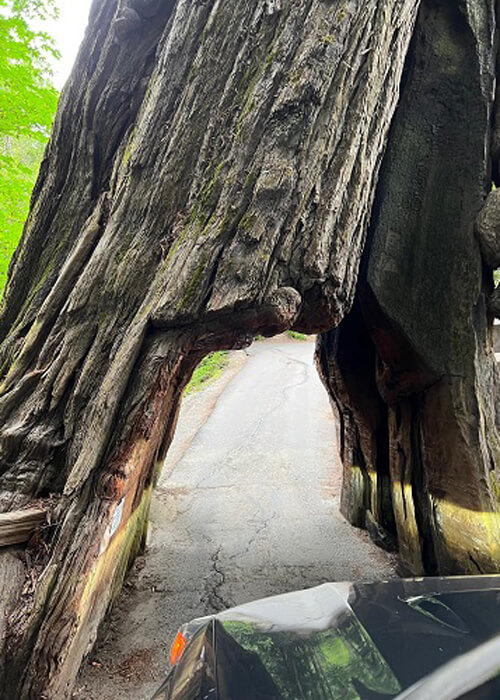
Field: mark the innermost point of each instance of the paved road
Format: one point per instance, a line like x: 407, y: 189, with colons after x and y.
x: 247, y: 507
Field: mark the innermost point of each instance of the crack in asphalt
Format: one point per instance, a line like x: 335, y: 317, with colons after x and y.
x: 213, y: 600
x: 291, y: 357
x: 264, y: 525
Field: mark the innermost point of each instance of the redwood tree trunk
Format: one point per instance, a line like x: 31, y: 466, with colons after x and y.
x: 210, y: 177
x: 412, y: 368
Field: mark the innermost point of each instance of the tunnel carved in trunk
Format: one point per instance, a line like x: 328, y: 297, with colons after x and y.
x: 181, y: 210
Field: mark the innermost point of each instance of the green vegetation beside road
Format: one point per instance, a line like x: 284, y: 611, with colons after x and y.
x: 207, y: 371
x: 296, y: 336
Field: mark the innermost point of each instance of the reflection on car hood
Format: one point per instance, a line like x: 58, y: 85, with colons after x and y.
x: 352, y: 641
x: 308, y: 611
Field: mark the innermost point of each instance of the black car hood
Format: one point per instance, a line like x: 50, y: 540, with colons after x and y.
x: 339, y: 640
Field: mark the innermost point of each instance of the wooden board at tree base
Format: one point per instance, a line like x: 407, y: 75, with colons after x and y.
x: 19, y: 526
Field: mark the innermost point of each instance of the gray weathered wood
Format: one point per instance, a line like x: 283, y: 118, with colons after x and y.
x: 19, y: 526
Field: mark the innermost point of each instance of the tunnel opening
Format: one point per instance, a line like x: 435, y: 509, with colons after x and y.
x: 247, y: 504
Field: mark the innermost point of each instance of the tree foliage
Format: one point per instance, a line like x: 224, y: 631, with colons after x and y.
x: 27, y: 105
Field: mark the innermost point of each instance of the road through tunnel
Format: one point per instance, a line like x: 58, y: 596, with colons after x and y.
x: 247, y: 506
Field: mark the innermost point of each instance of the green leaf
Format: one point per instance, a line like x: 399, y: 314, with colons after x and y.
x: 28, y: 102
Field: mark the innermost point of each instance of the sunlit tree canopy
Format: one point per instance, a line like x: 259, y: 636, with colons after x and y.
x: 27, y: 105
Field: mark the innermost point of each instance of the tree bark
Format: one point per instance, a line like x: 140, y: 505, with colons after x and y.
x: 210, y: 177
x: 421, y: 446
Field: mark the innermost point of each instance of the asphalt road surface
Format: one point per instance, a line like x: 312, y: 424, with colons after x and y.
x: 248, y: 506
